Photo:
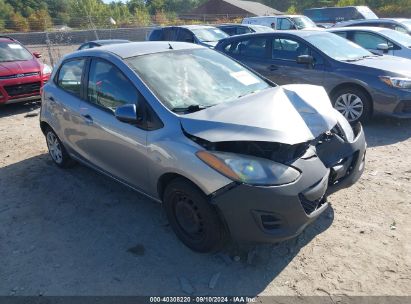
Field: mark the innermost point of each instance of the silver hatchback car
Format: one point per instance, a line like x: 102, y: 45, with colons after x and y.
x: 226, y: 151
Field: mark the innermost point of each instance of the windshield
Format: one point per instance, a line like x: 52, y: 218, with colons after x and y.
x: 11, y: 51
x: 399, y: 37
x: 209, y: 34
x: 303, y: 22
x: 201, y: 77
x: 337, y: 47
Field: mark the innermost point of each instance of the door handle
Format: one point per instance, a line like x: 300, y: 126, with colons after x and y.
x: 273, y: 67
x: 88, y: 119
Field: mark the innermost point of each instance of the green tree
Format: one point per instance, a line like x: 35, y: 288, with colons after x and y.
x: 6, y: 10
x: 18, y: 23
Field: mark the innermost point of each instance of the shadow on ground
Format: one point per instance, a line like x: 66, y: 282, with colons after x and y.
x: 18, y: 108
x: 75, y: 232
x: 383, y: 131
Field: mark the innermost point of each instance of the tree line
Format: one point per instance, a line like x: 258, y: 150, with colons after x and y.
x: 38, y: 15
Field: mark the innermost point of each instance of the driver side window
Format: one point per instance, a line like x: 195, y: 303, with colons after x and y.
x: 108, y: 87
x: 185, y: 36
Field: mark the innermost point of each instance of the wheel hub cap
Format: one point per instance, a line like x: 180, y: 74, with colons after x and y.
x: 54, y: 147
x: 188, y: 217
x: 350, y: 105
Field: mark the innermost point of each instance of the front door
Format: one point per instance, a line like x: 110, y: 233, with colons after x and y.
x: 284, y: 68
x: 113, y: 146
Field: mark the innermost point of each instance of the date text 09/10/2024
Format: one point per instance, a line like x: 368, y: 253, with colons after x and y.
x: 202, y: 299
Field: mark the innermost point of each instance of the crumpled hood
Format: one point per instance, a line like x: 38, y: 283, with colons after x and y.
x: 391, y: 64
x: 19, y: 67
x: 288, y: 114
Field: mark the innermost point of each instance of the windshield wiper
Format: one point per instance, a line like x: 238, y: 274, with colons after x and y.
x: 190, y: 109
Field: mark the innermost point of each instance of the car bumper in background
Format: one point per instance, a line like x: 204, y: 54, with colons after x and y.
x: 393, y: 102
x: 23, y: 90
x: 277, y: 213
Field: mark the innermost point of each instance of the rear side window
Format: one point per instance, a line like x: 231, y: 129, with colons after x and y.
x: 108, y: 87
x: 243, y: 30
x: 70, y: 74
x: 185, y: 36
x: 229, y: 30
x: 254, y: 47
x: 156, y: 35
x: 342, y: 34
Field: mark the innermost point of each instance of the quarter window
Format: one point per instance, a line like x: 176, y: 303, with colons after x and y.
x: 70, y: 74
x: 108, y: 87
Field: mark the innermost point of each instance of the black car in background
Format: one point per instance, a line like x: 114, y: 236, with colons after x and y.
x: 398, y: 24
x: 97, y: 43
x: 358, y: 82
x: 233, y: 29
x: 199, y: 34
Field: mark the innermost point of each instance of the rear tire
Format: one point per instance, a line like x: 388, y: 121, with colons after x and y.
x: 193, y: 219
x: 353, y: 103
x: 57, y: 151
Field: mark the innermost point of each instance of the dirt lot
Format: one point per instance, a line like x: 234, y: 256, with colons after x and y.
x: 75, y: 232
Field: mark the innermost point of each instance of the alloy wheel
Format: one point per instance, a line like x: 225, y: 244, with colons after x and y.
x: 54, y: 147
x: 350, y: 105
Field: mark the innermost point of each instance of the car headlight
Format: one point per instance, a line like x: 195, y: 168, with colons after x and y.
x: 397, y: 82
x: 46, y: 69
x: 248, y: 169
x: 345, y: 126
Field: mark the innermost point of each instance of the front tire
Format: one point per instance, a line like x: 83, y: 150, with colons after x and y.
x: 193, y: 219
x: 57, y: 151
x: 353, y: 103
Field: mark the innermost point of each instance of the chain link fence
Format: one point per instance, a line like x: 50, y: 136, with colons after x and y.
x: 60, y: 39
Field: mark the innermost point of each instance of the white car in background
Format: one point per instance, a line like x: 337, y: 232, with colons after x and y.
x: 283, y: 22
x: 377, y: 40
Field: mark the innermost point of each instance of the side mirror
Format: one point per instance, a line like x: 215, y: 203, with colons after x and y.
x: 383, y: 47
x: 37, y: 55
x: 127, y: 113
x: 305, y: 59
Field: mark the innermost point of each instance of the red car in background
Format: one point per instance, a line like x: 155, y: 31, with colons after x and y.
x: 22, y: 75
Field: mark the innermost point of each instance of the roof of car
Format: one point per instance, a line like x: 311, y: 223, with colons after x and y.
x: 132, y: 49
x: 6, y: 38
x: 109, y: 41
x: 189, y: 26
x: 358, y: 28
x: 366, y: 21
x: 301, y: 34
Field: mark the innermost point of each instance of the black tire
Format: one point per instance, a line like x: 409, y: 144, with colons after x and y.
x: 365, y: 103
x: 193, y: 219
x: 64, y: 160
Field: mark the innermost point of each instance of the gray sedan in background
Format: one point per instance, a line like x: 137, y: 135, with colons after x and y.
x: 227, y: 152
x: 377, y: 40
x: 358, y: 82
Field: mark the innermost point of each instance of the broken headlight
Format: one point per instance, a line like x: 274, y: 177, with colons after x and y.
x: 345, y: 127
x: 248, y: 169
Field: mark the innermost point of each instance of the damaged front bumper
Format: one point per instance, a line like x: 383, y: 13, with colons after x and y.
x: 276, y: 213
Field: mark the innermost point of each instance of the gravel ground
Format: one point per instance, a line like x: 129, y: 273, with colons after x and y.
x: 75, y: 232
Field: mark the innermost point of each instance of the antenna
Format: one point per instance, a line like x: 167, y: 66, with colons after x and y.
x: 170, y: 47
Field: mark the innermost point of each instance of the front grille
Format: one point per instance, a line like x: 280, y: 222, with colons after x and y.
x: 311, y: 206
x: 22, y: 89
x: 19, y: 75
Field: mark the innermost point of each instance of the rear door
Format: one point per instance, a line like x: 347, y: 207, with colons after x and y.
x: 113, y: 146
x: 253, y: 51
x: 283, y: 67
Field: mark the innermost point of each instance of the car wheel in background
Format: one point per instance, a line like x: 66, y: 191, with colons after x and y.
x: 193, y: 219
x: 353, y: 103
x: 56, y: 150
